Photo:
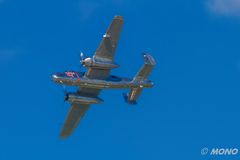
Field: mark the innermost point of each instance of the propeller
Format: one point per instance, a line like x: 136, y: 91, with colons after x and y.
x: 81, y: 59
x: 65, y: 96
x: 65, y: 93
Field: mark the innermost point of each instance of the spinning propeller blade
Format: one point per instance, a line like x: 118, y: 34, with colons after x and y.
x: 81, y: 56
x: 81, y: 59
x: 65, y: 93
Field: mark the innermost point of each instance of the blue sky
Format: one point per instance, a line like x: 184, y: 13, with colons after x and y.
x: 194, y: 104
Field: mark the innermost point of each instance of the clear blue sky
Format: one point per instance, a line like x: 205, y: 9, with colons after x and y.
x: 195, y: 101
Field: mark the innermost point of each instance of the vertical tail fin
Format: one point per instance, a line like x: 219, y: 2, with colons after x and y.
x: 142, y: 74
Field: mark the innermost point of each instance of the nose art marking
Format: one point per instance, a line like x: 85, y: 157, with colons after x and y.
x: 69, y: 74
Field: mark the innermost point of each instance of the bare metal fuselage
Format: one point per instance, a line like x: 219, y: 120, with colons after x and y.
x: 71, y: 78
x: 97, y: 77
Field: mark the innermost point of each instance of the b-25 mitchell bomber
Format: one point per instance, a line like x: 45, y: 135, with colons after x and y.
x: 97, y: 77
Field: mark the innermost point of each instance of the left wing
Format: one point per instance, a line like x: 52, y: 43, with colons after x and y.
x: 106, y: 49
x: 75, y: 113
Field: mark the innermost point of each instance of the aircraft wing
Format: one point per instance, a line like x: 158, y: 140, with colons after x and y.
x: 109, y: 41
x: 106, y: 49
x: 77, y: 111
x: 104, y: 52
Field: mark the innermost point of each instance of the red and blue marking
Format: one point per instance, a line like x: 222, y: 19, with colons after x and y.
x: 72, y: 74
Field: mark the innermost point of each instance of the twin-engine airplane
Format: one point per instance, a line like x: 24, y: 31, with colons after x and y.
x: 97, y: 77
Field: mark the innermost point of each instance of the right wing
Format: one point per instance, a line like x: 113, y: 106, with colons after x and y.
x: 106, y: 49
x: 109, y: 41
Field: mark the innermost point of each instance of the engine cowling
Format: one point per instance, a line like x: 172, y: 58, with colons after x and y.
x: 75, y: 98
x: 90, y: 62
x: 87, y: 62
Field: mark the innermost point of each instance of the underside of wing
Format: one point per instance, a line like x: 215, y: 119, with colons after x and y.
x: 106, y: 49
x: 90, y: 92
x: 75, y: 113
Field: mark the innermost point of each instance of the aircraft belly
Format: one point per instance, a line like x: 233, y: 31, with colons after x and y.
x: 103, y: 84
x: 100, y: 84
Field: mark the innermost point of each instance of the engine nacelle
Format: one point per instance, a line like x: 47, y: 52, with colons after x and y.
x: 75, y: 98
x: 90, y: 62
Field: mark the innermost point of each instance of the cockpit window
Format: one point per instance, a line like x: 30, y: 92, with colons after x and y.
x: 69, y: 74
x: 72, y: 74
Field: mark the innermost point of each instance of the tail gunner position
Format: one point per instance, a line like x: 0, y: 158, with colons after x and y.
x: 97, y: 77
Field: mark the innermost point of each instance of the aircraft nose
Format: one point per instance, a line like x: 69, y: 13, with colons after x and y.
x: 55, y: 77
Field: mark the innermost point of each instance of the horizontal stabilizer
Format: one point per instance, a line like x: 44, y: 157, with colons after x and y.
x: 143, y: 73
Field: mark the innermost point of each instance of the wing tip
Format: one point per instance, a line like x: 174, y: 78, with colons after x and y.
x: 118, y: 17
x: 63, y: 135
